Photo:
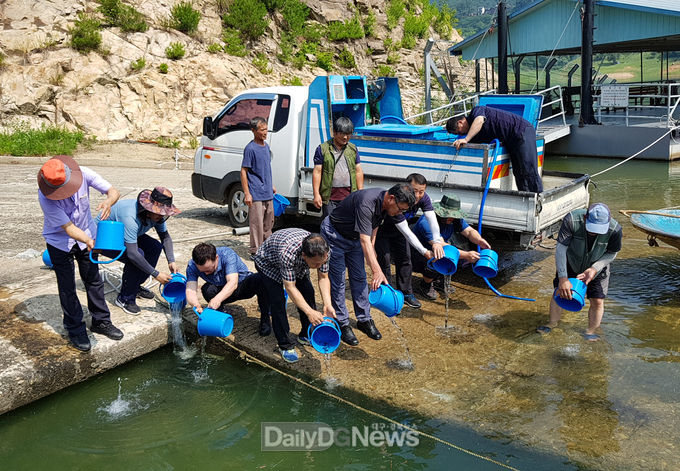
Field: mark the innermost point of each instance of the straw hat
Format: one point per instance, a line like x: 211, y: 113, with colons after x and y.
x: 448, y: 207
x: 60, y: 177
x: 158, y: 201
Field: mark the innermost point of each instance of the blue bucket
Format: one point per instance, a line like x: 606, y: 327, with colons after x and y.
x: 578, y: 296
x: 110, y: 236
x: 487, y: 265
x: 213, y: 323
x: 448, y: 264
x: 325, y: 337
x: 280, y: 204
x: 387, y: 299
x: 174, y: 291
x: 46, y: 259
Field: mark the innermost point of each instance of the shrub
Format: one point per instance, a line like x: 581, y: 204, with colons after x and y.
x: 138, y: 65
x: 85, y: 35
x: 408, y: 41
x: 184, y: 18
x: 163, y: 68
x: 2, y: 60
x: 325, y: 61
x: 339, y: 30
x: 299, y: 60
x: 294, y: 80
x: 286, y: 46
x: 214, y: 48
x: 295, y: 13
x: 125, y: 16
x: 247, y: 16
x: 395, y: 10
x: 388, y: 44
x: 445, y: 21
x: 52, y: 140
x: 346, y: 59
x: 167, y: 142
x: 416, y: 25
x: 262, y: 64
x: 233, y: 44
x: 369, y: 24
x: 313, y: 32
x: 273, y: 5
x: 393, y: 58
x: 384, y: 71
x: 175, y: 51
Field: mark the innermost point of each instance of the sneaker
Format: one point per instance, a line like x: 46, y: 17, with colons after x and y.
x: 80, y: 342
x: 108, y: 329
x: 289, y: 355
x: 145, y: 293
x: 130, y: 308
x: 411, y: 301
x: 427, y: 291
x: 303, y: 340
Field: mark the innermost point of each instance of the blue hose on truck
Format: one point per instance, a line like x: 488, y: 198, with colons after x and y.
x: 497, y: 144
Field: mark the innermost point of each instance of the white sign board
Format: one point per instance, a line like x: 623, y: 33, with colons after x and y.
x: 615, y: 96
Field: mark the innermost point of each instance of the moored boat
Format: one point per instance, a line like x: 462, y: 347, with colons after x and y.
x: 662, y: 224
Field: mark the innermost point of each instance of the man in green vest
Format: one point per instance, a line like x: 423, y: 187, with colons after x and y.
x: 587, y: 243
x: 337, y: 169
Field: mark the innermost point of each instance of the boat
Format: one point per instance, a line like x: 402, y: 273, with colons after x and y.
x: 662, y: 224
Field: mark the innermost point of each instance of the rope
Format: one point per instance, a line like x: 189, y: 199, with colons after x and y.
x: 248, y: 357
x: 636, y: 154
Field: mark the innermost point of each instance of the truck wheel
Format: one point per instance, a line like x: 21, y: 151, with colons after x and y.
x: 238, y: 210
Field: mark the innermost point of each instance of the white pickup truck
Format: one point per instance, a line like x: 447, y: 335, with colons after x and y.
x: 300, y: 119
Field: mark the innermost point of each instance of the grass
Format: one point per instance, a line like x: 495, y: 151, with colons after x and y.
x: 185, y: 18
x: 48, y: 140
x: 85, y: 35
x: 175, y: 51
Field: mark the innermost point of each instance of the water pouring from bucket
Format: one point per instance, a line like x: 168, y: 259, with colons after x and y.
x: 324, y: 337
x: 448, y: 264
x: 578, y: 296
x: 213, y: 323
x: 110, y: 237
x: 387, y: 299
x: 174, y: 291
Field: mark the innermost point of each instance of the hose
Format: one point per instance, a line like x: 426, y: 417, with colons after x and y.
x: 481, y: 213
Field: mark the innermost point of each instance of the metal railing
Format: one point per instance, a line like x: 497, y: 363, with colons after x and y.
x: 548, y: 102
x: 663, y: 102
x: 451, y: 110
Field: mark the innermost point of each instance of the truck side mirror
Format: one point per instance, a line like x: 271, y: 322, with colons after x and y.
x: 208, y: 128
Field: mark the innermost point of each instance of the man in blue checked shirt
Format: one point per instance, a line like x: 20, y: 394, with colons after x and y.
x: 227, y: 279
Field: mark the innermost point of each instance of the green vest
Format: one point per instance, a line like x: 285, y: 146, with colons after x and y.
x: 578, y: 257
x: 328, y: 168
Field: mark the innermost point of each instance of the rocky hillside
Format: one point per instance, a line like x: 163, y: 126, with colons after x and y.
x: 44, y: 80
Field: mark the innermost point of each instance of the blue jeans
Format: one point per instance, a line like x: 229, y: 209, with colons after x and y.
x: 347, y: 255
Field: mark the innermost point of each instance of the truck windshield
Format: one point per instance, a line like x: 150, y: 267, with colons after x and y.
x: 238, y: 115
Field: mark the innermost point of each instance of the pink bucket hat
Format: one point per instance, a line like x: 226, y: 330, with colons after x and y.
x: 158, y: 201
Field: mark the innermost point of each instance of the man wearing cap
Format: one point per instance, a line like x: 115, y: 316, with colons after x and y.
x: 587, y: 243
x: 484, y: 124
x: 451, y: 222
x: 350, y: 231
x: 337, y: 168
x: 283, y: 261
x: 150, y: 210
x: 68, y: 229
x: 394, y: 240
x: 227, y: 279
x: 256, y: 180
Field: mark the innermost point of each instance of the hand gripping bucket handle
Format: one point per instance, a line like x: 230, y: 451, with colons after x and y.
x: 110, y: 236
x: 177, y: 291
x: 213, y: 323
x: 387, y: 299
x: 325, y: 337
x: 578, y: 296
x: 448, y: 264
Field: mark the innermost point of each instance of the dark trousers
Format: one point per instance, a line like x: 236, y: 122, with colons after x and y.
x: 250, y: 286
x: 277, y: 307
x: 420, y: 266
x: 133, y: 277
x: 525, y: 162
x: 392, y: 246
x: 327, y: 209
x: 64, y: 268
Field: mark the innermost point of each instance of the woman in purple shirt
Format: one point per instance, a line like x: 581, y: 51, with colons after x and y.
x: 69, y: 231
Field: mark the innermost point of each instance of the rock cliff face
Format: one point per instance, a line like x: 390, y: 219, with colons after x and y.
x: 44, y: 80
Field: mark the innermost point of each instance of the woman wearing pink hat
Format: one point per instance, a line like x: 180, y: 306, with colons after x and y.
x: 69, y: 231
x: 150, y: 210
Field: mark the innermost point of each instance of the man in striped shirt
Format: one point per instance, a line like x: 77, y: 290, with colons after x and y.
x: 284, y: 260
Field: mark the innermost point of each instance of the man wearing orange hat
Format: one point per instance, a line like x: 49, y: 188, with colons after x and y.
x: 69, y: 231
x: 150, y: 210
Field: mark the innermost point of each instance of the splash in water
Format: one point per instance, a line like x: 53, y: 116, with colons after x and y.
x: 120, y: 407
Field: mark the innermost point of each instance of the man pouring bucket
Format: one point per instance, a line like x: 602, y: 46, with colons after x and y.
x: 151, y: 209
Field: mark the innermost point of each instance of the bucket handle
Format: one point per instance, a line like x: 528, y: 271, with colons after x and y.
x: 196, y: 311
x: 309, y: 327
x: 104, y: 262
x: 161, y: 286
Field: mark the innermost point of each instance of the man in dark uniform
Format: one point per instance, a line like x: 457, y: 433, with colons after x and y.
x: 484, y: 124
